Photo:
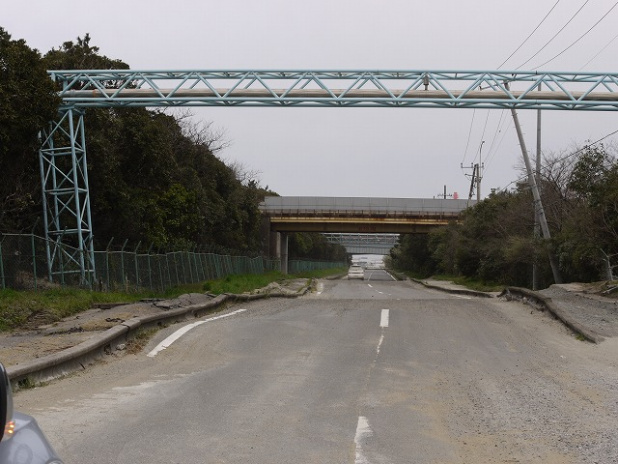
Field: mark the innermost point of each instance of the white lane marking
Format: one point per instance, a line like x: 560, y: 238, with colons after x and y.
x: 462, y: 297
x: 381, y: 293
x: 384, y: 318
x: 370, y: 286
x: 380, y: 344
x: 320, y: 288
x: 180, y: 332
x: 363, y: 432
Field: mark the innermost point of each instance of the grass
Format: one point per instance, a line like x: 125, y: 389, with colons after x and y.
x: 466, y: 282
x: 247, y: 282
x: 140, y: 340
x: 19, y: 308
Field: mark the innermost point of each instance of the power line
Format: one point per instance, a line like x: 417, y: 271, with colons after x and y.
x: 526, y: 39
x: 469, y: 134
x: 589, y: 145
x: 579, y: 38
x: 491, y: 155
x: 601, y: 51
x: 555, y: 35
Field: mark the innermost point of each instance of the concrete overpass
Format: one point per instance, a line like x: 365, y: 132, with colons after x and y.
x: 354, y: 215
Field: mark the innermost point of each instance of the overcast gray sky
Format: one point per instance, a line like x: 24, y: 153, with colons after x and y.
x: 378, y: 152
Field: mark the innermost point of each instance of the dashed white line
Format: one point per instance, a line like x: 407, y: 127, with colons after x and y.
x: 180, y: 332
x: 380, y: 344
x: 384, y: 318
x: 363, y: 432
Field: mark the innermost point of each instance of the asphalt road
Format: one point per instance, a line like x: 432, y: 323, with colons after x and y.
x: 359, y: 372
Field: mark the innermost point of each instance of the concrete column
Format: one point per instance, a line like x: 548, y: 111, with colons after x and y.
x: 274, y: 244
x: 283, y: 251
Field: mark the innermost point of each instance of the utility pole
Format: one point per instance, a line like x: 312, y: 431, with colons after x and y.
x: 479, y: 172
x: 537, y: 231
x: 445, y: 195
x: 476, y: 176
x: 535, y: 193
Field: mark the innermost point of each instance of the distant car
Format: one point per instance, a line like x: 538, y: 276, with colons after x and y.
x: 356, y: 272
x: 21, y: 439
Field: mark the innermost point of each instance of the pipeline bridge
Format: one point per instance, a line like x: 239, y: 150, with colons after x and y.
x: 64, y: 171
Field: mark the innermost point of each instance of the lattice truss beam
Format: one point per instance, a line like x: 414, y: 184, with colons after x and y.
x: 66, y: 198
x: 361, y: 88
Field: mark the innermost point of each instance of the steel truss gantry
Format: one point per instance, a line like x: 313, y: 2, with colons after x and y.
x: 63, y: 152
x: 353, y: 88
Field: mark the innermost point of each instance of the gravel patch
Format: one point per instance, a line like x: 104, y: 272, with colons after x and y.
x: 597, y: 313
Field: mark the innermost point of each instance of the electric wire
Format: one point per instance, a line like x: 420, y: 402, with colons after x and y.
x: 601, y: 51
x: 570, y: 155
x: 530, y: 35
x: 491, y: 157
x: 554, y: 36
x: 493, y: 148
x: 498, y: 126
x: 579, y: 38
x: 588, y: 145
x: 469, y: 135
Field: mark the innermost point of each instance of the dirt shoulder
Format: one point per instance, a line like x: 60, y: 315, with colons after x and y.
x: 587, y: 305
x: 37, y: 341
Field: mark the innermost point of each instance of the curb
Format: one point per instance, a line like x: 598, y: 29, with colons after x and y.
x: 546, y: 303
x: 80, y: 356
x: 457, y: 291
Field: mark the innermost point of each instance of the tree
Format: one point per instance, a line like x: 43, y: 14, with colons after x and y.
x: 27, y: 103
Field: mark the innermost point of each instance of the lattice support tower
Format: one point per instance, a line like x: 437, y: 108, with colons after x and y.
x: 66, y: 199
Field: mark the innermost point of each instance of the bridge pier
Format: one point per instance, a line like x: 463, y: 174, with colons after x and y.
x: 283, y: 240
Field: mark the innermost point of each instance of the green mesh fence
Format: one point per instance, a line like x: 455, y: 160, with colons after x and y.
x: 23, y: 266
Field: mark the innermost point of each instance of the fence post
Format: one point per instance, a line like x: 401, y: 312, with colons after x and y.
x: 137, y: 279
x: 150, y: 267
x: 123, y: 277
x: 189, y: 265
x: 107, y: 262
x: 2, y: 263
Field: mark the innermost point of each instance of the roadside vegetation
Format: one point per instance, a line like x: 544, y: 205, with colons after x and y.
x: 156, y: 179
x: 248, y: 282
x: 21, y: 309
x: 494, y: 243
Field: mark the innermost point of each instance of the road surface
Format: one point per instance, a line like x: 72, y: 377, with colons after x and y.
x: 358, y: 372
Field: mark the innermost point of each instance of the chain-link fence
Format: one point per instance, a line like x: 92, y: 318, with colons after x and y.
x: 23, y: 265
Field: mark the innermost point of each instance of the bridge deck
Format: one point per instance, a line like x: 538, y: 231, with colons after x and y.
x: 360, y: 214
x: 362, y: 207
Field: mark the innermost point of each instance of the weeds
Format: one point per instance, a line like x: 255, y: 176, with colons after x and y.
x: 140, y: 340
x: 19, y: 309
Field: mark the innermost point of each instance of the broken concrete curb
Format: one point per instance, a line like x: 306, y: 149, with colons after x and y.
x: 548, y: 304
x: 79, y: 356
x: 457, y: 291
